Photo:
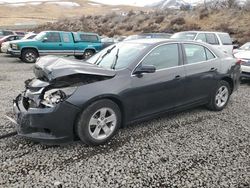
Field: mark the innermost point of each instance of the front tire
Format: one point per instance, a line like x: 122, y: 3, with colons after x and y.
x: 220, y: 96
x: 88, y: 53
x: 99, y: 122
x: 29, y: 56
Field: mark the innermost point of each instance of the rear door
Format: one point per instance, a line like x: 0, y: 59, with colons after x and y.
x: 201, y: 66
x: 162, y: 90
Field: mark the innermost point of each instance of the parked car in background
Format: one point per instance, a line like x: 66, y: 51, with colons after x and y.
x: 6, y: 45
x: 78, y: 44
x: 4, y: 33
x: 106, y: 41
x: 244, y: 47
x: 244, y: 56
x: 126, y: 82
x: 148, y: 36
x: 9, y: 38
x: 220, y: 40
x: 20, y: 33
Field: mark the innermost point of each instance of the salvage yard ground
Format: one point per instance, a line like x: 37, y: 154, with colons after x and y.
x: 196, y: 148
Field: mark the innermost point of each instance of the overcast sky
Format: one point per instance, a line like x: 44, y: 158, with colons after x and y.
x: 111, y: 2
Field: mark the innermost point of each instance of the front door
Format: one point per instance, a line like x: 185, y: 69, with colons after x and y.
x: 51, y: 44
x: 162, y: 90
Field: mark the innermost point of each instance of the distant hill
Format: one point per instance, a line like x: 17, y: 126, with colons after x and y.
x: 14, y: 13
x: 172, y: 4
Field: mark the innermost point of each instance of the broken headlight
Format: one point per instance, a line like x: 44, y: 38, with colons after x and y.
x: 55, y: 96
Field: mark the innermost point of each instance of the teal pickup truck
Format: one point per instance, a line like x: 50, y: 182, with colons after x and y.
x: 79, y: 44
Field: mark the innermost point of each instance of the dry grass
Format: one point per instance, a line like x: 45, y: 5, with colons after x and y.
x: 103, y: 20
x: 48, y: 12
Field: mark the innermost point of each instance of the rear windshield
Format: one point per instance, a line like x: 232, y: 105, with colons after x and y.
x: 184, y: 36
x: 225, y: 39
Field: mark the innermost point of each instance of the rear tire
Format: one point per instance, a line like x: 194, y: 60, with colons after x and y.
x: 99, y: 122
x: 29, y: 56
x: 220, y: 97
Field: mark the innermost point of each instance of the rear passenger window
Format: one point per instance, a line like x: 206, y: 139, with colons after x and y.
x: 225, y: 39
x: 165, y: 56
x: 212, y: 38
x: 88, y: 38
x: 66, y: 37
x: 209, y: 54
x: 201, y: 37
x: 194, y: 53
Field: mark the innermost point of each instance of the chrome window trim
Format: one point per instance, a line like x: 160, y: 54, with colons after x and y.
x: 215, y: 56
x: 183, y: 65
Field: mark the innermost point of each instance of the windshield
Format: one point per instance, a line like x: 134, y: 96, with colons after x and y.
x: 184, y: 35
x: 28, y: 36
x: 245, y: 46
x: 118, y: 56
x: 40, y: 36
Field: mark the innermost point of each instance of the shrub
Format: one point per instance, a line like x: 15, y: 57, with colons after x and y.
x: 178, y: 21
x: 203, y: 14
x: 225, y: 28
x: 159, y: 19
x: 128, y: 27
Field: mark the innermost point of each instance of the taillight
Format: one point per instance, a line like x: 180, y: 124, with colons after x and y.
x: 238, y: 62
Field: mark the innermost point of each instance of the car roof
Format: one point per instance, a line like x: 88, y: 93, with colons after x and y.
x: 158, y: 41
x: 203, y: 32
x: 88, y: 33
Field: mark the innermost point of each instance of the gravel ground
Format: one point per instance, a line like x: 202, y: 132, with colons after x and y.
x: 196, y: 148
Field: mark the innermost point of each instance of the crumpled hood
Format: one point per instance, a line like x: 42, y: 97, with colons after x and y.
x: 52, y: 67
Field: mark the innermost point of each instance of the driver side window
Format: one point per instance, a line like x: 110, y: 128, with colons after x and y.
x: 53, y: 37
x: 164, y: 56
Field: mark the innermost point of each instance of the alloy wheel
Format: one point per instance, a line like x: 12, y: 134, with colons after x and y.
x: 102, y: 123
x: 222, y: 96
x: 30, y: 57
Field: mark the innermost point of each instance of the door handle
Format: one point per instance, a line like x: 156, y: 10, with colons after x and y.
x: 177, y: 77
x: 213, y: 69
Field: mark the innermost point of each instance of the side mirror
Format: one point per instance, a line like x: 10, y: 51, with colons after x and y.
x: 145, y: 69
x: 45, y: 39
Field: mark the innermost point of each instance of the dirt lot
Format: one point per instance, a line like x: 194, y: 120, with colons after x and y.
x: 196, y: 148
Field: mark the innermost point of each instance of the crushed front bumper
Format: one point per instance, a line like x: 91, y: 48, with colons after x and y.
x: 47, y: 125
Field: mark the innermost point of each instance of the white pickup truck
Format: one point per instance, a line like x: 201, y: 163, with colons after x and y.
x: 220, y: 40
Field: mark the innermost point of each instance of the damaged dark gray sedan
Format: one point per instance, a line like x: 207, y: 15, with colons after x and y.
x: 127, y: 82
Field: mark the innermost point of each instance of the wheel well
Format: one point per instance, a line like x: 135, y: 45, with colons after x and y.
x: 230, y: 81
x: 113, y: 99
x: 89, y: 49
x: 30, y: 49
